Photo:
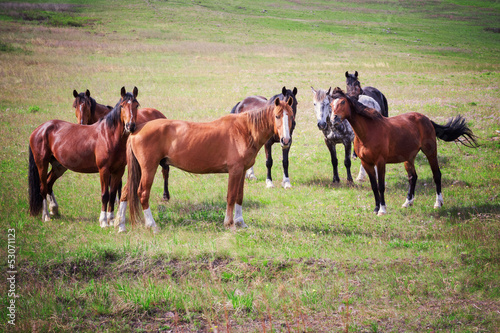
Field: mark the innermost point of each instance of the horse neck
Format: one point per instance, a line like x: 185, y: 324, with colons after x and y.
x: 261, y: 125
x: 99, y: 112
x: 113, y: 127
x: 359, y: 123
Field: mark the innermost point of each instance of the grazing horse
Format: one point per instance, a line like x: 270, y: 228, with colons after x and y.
x: 258, y: 102
x: 87, y: 149
x: 226, y: 145
x: 380, y: 140
x: 354, y: 90
x: 339, y: 133
x: 88, y: 112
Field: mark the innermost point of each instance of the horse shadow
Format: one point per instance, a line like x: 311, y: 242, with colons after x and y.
x: 327, y: 182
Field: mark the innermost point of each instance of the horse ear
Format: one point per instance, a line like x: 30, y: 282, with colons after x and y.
x: 329, y: 91
x: 294, y: 91
x: 87, y: 93
x: 136, y: 92
x: 277, y: 101
x: 347, y: 74
x: 290, y: 101
x: 283, y: 91
x: 75, y: 93
x: 356, y: 74
x: 123, y: 92
x: 314, y: 91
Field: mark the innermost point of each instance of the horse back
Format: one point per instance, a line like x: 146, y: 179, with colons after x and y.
x: 250, y: 103
x: 379, y: 98
x: 148, y: 114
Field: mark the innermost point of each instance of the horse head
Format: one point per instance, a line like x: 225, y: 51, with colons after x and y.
x: 129, y: 106
x: 352, y: 84
x: 283, y: 114
x: 291, y: 93
x: 83, y: 107
x: 341, y: 106
x: 322, y: 108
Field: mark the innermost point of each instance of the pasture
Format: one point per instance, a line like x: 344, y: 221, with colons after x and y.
x: 314, y: 257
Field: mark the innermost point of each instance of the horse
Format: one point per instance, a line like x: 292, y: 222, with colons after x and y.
x: 354, y: 90
x: 340, y: 133
x: 227, y: 145
x: 258, y: 102
x: 88, y: 112
x: 380, y: 140
x: 59, y: 143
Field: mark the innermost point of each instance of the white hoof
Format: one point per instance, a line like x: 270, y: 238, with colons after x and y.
x: 286, y: 183
x: 269, y: 183
x: 103, y: 221
x: 408, y: 203
x: 250, y: 174
x: 382, y: 211
x: 110, y: 216
x: 46, y: 218
x: 439, y: 201
x: 239, y: 223
x: 121, y: 228
x: 54, y: 210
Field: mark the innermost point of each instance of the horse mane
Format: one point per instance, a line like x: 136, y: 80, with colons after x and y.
x: 320, y: 94
x: 259, y: 119
x: 358, y: 107
x: 93, y: 105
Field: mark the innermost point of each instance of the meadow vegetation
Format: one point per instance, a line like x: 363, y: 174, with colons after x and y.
x: 314, y: 258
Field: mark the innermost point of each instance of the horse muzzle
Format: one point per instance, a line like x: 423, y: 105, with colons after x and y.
x: 322, y: 125
x: 130, y: 127
x: 285, y: 143
x: 336, y: 120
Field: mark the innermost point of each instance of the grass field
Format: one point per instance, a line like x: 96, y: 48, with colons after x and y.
x: 314, y: 258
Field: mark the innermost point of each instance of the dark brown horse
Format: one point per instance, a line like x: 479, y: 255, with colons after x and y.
x: 88, y: 112
x: 227, y: 145
x: 256, y: 103
x: 398, y: 139
x: 60, y: 144
x: 354, y: 90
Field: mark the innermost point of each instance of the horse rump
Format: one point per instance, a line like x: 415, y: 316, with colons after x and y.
x: 35, y: 195
x: 133, y: 181
x: 454, y: 129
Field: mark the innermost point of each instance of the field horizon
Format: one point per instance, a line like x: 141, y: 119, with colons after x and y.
x: 314, y: 258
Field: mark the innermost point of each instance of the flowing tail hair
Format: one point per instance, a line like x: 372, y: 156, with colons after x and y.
x: 454, y: 129
x: 133, y: 181
x: 35, y: 196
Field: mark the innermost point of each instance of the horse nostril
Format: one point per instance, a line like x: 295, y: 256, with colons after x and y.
x: 285, y: 142
x: 132, y: 127
x: 322, y: 125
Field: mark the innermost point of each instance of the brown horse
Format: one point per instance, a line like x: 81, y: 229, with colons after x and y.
x: 380, y: 140
x: 88, y: 112
x: 60, y: 144
x: 227, y: 145
x: 256, y: 103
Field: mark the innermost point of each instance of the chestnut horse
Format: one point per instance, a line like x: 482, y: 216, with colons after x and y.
x: 354, y: 90
x: 60, y: 144
x: 227, y: 145
x: 380, y: 140
x: 88, y: 112
x: 258, y: 102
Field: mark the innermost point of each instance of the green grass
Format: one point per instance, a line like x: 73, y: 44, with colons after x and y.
x: 314, y: 258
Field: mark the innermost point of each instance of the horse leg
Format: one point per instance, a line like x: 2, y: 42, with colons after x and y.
x: 165, y: 171
x: 269, y: 163
x: 412, y: 180
x: 436, y: 173
x: 370, y: 170
x: 380, y: 174
x: 105, y: 180
x: 56, y: 172
x: 233, y: 189
x: 347, y: 160
x: 335, y: 161
x: 144, y: 192
x: 286, y: 180
x: 44, y: 189
x: 115, y: 183
x: 238, y: 209
x: 120, y: 216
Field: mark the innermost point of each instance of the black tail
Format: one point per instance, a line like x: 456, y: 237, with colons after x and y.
x: 134, y: 178
x: 454, y: 129
x: 35, y: 196
x: 385, y: 111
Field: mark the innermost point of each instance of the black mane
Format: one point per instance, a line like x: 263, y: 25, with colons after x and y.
x: 113, y: 117
x: 356, y: 106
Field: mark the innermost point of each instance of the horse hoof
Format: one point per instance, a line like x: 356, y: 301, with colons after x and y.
x: 360, y: 179
x: 286, y: 184
x: 54, y: 211
x: 239, y: 223
x: 407, y: 203
x: 46, y: 218
x: 269, y: 183
x: 121, y: 229
x: 382, y: 211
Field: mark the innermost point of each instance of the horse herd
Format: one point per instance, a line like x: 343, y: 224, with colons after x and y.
x: 144, y: 138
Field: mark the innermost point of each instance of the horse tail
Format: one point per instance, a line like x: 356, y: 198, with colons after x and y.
x: 385, y: 110
x: 454, y: 129
x: 134, y: 178
x: 35, y: 195
x: 233, y: 110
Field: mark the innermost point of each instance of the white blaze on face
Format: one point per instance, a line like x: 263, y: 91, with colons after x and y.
x: 131, y: 116
x: 286, y: 127
x: 335, y: 103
